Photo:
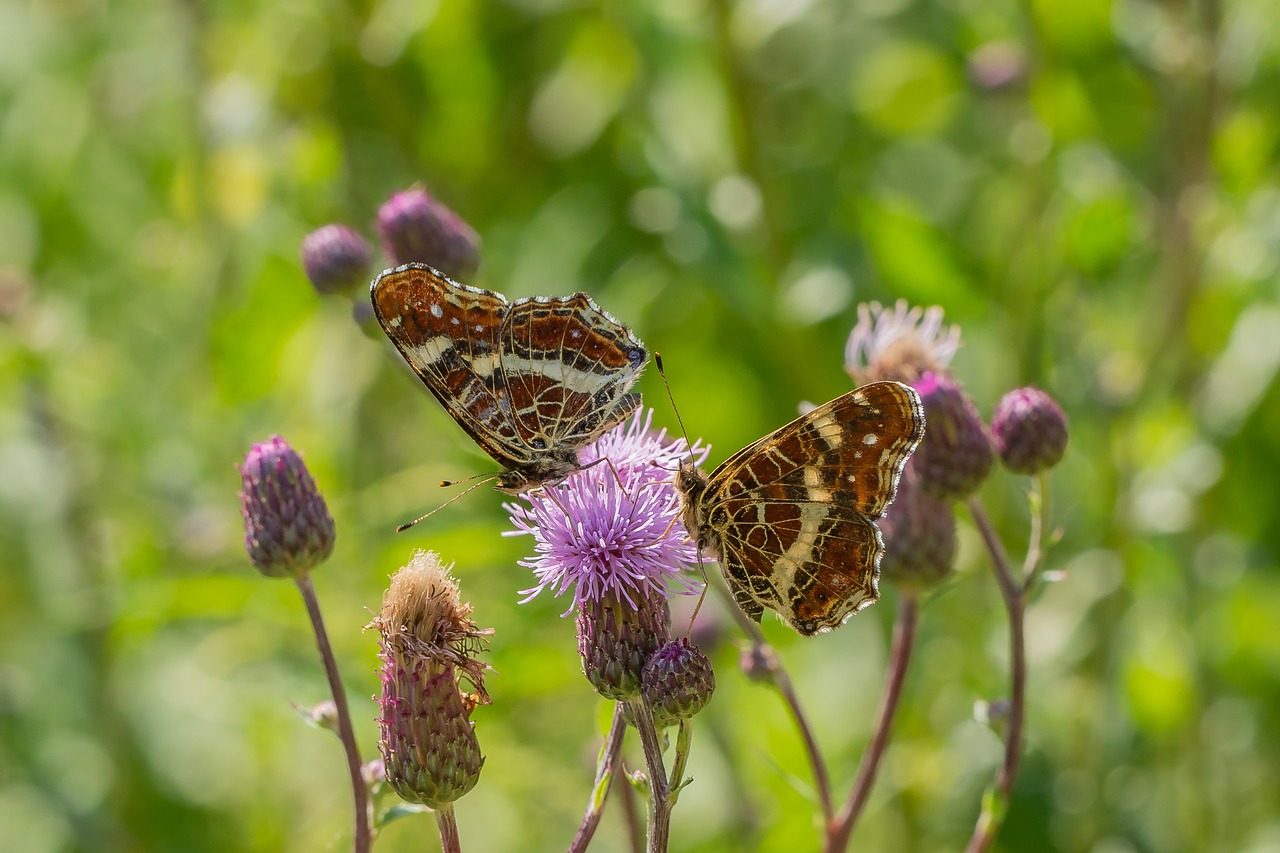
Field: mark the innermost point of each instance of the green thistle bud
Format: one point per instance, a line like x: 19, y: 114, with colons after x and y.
x: 1030, y: 431
x: 287, y: 527
x: 417, y: 227
x: 428, y: 642
x: 616, y: 638
x: 677, y: 682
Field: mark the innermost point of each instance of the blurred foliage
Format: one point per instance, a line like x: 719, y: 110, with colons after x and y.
x: 1090, y: 189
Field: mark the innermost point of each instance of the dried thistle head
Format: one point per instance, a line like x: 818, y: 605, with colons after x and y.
x: 428, y: 646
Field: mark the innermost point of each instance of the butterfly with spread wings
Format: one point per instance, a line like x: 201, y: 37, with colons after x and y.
x: 792, y: 517
x: 530, y: 381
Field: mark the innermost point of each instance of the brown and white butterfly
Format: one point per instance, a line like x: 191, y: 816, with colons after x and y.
x: 792, y: 517
x: 530, y: 381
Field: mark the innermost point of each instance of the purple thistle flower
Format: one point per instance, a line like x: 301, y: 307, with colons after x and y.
x: 613, y: 531
x: 336, y: 258
x: 1030, y: 429
x: 415, y: 226
x: 287, y: 527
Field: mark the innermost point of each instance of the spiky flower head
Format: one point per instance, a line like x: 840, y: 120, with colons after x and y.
x: 957, y: 453
x: 901, y: 343
x: 428, y: 647
x: 677, y: 682
x: 415, y: 226
x: 919, y: 536
x: 1030, y: 430
x: 612, y: 535
x: 336, y: 259
x: 617, y: 637
x: 287, y: 527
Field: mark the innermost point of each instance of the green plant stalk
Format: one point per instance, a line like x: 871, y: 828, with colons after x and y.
x: 448, y: 824
x: 363, y: 840
x: 606, y: 764
x: 659, y: 829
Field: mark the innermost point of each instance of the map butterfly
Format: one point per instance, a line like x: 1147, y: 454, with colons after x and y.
x: 791, y: 518
x: 530, y: 381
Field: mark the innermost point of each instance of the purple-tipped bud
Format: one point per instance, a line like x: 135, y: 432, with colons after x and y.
x: 428, y: 642
x: 1030, y: 431
x: 336, y: 259
x: 287, y: 527
x: 956, y: 454
x: 677, y: 682
x: 617, y: 638
x: 759, y: 663
x: 417, y: 227
x: 919, y: 537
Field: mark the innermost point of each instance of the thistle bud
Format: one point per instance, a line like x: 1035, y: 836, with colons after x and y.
x: 336, y: 259
x: 919, y: 537
x: 1030, y: 430
x: 428, y: 642
x: 759, y: 663
x: 616, y: 638
x: 417, y: 227
x: 956, y: 454
x: 287, y: 527
x: 677, y: 682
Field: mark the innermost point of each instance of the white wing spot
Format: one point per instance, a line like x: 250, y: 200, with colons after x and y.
x: 436, y: 310
x: 852, y: 479
x: 395, y: 321
x: 479, y: 328
x: 575, y: 334
x: 870, y: 438
x: 453, y: 320
x: 857, y: 454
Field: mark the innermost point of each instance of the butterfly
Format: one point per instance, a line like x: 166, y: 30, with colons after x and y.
x: 791, y: 518
x: 530, y: 381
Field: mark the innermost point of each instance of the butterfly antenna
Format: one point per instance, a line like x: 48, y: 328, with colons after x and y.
x: 403, y: 527
x: 657, y: 360
x: 444, y: 484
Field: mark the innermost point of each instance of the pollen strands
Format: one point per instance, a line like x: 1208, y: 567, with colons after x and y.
x: 693, y: 534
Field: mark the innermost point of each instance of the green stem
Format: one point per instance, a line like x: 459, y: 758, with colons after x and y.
x: 659, y: 802
x: 684, y: 741
x: 449, y: 840
x: 1015, y: 599
x: 904, y: 634
x: 363, y: 840
x: 605, y: 767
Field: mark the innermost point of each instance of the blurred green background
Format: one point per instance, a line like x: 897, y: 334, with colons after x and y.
x: 1090, y: 189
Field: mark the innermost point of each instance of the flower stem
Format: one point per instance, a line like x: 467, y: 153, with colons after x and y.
x: 782, y: 682
x: 449, y: 841
x: 1015, y: 600
x: 363, y: 840
x: 605, y: 766
x: 635, y: 832
x: 659, y: 803
x: 684, y: 740
x: 904, y: 634
x: 1039, y: 499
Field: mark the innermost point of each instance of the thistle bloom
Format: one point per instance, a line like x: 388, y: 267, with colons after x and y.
x: 957, y: 452
x: 1030, y: 431
x: 428, y: 647
x: 415, y: 226
x: 919, y: 536
x: 677, y: 682
x: 899, y: 343
x: 613, y: 528
x: 336, y: 258
x: 612, y: 534
x: 287, y: 527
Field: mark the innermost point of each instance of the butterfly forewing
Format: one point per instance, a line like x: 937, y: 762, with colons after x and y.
x: 793, y: 514
x: 530, y: 382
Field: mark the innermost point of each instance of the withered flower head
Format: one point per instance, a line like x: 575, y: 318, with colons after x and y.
x: 428, y: 647
x: 901, y: 343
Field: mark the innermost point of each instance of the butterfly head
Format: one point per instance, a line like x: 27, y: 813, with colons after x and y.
x: 691, y: 482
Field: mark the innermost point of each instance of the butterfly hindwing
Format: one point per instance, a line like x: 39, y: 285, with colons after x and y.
x: 792, y: 515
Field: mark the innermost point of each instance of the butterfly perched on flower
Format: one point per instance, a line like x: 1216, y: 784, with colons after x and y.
x: 530, y: 381
x: 791, y: 518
